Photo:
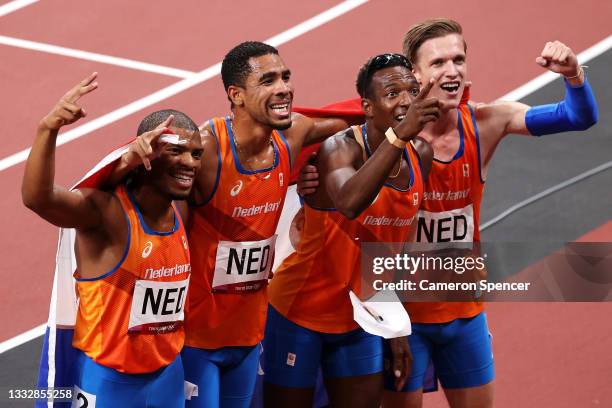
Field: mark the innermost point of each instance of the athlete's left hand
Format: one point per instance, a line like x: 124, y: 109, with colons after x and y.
x: 559, y: 58
x: 401, y: 365
x: 308, y: 180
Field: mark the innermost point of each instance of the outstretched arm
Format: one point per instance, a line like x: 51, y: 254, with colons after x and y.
x: 306, y: 131
x: 54, y: 203
x: 322, y: 128
x: 578, y: 111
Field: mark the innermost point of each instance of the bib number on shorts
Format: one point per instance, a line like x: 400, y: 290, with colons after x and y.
x: 157, y: 307
x: 243, y: 267
x: 449, y: 226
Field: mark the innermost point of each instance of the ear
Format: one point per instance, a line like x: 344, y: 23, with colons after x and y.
x: 366, y: 107
x: 417, y: 74
x: 236, y: 95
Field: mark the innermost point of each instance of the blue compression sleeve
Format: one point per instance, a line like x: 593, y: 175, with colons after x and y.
x: 578, y: 111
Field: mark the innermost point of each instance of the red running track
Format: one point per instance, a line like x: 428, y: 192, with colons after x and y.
x: 546, y: 354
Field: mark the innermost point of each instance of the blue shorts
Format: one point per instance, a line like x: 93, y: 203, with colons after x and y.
x: 293, y: 354
x: 102, y: 386
x: 460, y: 350
x: 225, y: 377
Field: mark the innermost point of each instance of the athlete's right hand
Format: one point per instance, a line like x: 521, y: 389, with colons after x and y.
x: 66, y: 111
x: 308, y: 180
x: 422, y: 110
x: 401, y: 363
x: 145, y: 147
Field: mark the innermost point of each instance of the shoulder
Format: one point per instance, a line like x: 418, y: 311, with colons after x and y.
x: 106, y: 204
x: 343, y: 141
x: 100, y: 198
x: 300, y: 126
x: 423, y: 149
x: 183, y: 210
x: 210, y: 141
x: 498, y: 112
x: 426, y: 155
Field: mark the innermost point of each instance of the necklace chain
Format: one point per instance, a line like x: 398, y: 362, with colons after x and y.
x: 399, y: 168
x: 241, y: 151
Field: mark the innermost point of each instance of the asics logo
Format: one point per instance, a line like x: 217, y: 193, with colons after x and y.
x: 184, y: 242
x: 236, y: 189
x: 147, y: 249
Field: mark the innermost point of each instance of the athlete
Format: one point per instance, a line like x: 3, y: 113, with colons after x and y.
x: 235, y: 207
x: 133, y: 263
x: 368, y: 173
x: 455, y: 335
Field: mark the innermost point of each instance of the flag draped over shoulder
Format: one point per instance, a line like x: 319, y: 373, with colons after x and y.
x: 57, y: 357
x: 349, y: 109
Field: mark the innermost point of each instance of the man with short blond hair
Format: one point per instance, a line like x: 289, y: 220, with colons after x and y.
x: 455, y: 335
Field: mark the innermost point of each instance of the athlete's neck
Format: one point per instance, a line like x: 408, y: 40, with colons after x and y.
x: 446, y: 123
x: 155, y: 207
x: 374, y: 136
x: 253, y: 137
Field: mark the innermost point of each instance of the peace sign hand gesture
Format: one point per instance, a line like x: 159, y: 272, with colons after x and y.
x: 66, y: 111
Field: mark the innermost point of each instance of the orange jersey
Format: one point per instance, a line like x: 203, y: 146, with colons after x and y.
x: 233, y: 237
x: 131, y: 318
x: 450, y: 212
x: 311, y: 287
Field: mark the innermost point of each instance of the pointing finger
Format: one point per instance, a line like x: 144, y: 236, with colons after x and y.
x: 425, y: 90
x: 166, y: 123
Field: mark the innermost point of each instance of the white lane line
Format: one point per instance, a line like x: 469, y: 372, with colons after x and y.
x: 158, y: 96
x: 187, y: 83
x: 315, y: 22
x: 547, y: 77
x: 22, y: 338
x: 14, y: 6
x: 546, y: 193
x: 95, y: 57
x: 528, y: 88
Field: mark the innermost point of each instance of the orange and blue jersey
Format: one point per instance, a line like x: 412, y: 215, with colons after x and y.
x: 450, y: 212
x: 311, y: 287
x: 233, y: 237
x: 131, y: 318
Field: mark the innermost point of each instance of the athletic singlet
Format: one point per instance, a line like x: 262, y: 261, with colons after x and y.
x: 131, y: 318
x: 450, y: 212
x: 311, y: 286
x: 233, y: 237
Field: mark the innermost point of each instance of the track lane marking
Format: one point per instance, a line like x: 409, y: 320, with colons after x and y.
x: 196, y: 79
x: 8, y: 8
x: 95, y: 57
